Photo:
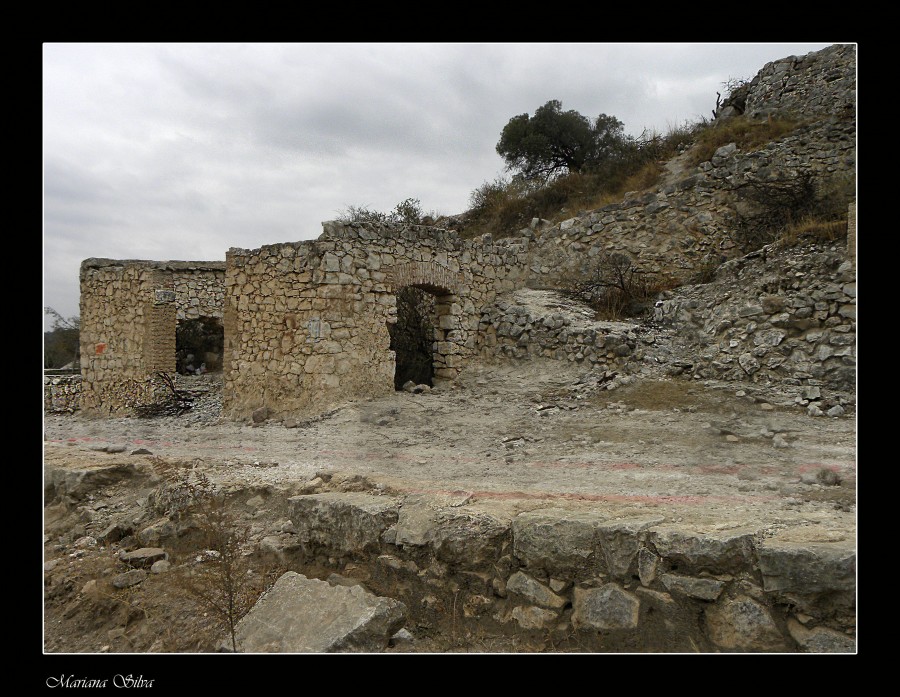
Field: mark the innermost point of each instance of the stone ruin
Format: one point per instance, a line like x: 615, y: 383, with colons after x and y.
x: 132, y: 316
x: 298, y: 327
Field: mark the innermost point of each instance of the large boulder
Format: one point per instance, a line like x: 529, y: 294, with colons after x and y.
x: 304, y: 615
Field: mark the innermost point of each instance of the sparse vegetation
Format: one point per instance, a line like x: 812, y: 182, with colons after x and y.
x: 408, y: 211
x: 736, y: 89
x: 219, y: 579
x: 61, y: 343
x: 705, y: 272
x: 169, y: 400
x: 792, y: 209
x: 813, y: 229
x: 504, y: 206
x: 746, y: 133
x: 617, y: 288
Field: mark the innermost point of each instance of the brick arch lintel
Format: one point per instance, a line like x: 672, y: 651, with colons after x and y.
x: 424, y: 274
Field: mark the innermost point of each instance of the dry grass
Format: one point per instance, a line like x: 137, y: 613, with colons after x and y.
x: 745, y: 133
x: 645, y: 178
x: 813, y: 229
x: 505, y: 206
x: 655, y: 395
x: 674, y: 393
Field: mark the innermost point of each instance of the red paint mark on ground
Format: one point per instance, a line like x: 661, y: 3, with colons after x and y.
x: 609, y: 498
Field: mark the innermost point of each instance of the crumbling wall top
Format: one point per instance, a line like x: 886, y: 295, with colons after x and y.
x: 102, y: 263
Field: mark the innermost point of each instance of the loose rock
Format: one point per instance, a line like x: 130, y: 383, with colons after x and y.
x: 302, y: 615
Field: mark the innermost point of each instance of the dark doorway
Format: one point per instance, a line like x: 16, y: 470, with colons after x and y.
x: 198, y: 346
x: 412, y: 337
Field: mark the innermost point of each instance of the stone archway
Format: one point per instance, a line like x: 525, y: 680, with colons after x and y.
x: 428, y: 312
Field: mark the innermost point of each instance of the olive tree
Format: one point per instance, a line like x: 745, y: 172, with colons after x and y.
x: 554, y: 141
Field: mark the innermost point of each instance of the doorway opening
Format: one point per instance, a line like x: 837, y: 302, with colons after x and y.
x: 199, y: 346
x: 412, y: 337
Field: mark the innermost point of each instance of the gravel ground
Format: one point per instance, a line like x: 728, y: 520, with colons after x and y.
x: 537, y: 433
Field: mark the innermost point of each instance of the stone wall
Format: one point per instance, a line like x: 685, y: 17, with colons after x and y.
x: 199, y: 291
x: 523, y: 327
x: 62, y: 393
x: 129, y: 311
x: 778, y: 316
x: 637, y: 583
x: 822, y: 82
x: 306, y: 323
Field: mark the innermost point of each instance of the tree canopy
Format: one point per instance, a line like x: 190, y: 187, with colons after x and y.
x: 554, y: 141
x: 61, y: 345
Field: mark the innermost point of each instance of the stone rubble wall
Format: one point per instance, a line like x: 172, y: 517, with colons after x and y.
x: 510, y: 330
x: 62, y: 393
x: 200, y: 292
x: 129, y: 311
x: 615, y: 584
x: 779, y: 316
x: 306, y: 323
x: 822, y: 82
x: 684, y: 226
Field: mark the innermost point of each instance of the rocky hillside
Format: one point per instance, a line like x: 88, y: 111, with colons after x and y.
x: 691, y: 219
x: 749, y: 306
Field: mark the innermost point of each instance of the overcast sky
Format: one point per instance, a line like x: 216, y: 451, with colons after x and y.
x: 181, y: 151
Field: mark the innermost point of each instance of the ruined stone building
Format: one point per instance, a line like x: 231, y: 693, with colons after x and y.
x: 299, y: 326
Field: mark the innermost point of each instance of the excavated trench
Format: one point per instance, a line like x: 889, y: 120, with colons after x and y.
x: 532, y: 530
x: 473, y: 579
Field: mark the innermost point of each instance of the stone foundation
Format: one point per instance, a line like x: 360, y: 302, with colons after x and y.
x: 603, y: 584
x: 62, y: 393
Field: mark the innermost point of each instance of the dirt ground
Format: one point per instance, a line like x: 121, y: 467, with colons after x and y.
x: 531, y: 432
x: 506, y: 439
